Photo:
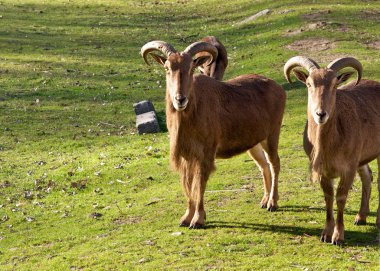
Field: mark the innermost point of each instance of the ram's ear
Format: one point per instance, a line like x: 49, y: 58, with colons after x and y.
x: 160, y: 59
x: 344, y: 77
x: 200, y: 61
x: 300, y: 75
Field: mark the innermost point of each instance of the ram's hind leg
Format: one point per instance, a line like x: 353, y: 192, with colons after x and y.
x: 365, y: 174
x: 271, y: 149
x: 258, y: 155
x: 186, y: 181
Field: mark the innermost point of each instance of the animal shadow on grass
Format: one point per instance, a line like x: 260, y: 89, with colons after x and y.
x: 304, y: 208
x: 161, y: 118
x: 352, y: 237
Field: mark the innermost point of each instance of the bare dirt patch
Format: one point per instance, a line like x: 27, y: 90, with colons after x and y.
x: 311, y: 45
x: 374, y: 44
x: 371, y: 15
x: 316, y: 16
x: 293, y: 32
x: 311, y: 26
x: 317, y: 49
x: 317, y: 20
x: 329, y: 26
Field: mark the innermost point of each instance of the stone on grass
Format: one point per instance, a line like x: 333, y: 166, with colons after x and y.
x: 143, y: 107
x: 147, y: 123
x: 255, y: 16
x: 146, y: 118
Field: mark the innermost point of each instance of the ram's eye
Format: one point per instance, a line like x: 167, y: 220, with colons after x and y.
x: 308, y: 85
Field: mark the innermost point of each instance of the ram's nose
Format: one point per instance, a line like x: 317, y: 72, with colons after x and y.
x: 180, y: 98
x: 321, y: 116
x: 180, y: 102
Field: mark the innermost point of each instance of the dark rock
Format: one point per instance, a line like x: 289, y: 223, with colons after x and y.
x: 147, y: 123
x: 143, y: 107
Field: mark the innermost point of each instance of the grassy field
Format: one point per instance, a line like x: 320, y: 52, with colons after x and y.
x: 80, y: 190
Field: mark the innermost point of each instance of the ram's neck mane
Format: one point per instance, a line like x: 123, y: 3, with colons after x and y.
x: 177, y: 124
x: 323, y: 138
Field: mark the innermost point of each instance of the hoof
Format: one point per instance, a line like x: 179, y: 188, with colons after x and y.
x: 325, y: 238
x: 338, y: 242
x: 196, y: 226
x: 360, y: 222
x: 184, y: 224
x: 264, y: 202
x: 272, y: 208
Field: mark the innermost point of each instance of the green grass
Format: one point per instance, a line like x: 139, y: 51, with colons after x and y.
x: 69, y: 74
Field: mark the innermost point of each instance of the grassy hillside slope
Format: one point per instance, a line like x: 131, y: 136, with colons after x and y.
x: 80, y: 190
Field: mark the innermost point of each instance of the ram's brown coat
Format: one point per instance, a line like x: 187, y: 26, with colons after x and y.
x: 209, y: 119
x: 346, y: 138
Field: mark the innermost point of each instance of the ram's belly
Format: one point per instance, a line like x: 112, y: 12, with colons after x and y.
x: 227, y: 152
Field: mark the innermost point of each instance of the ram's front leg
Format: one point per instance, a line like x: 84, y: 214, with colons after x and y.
x: 202, y: 173
x: 186, y: 181
x: 328, y: 190
x: 341, y: 197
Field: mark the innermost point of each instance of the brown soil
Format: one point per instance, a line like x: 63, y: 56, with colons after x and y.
x: 329, y: 26
x: 290, y: 32
x: 311, y: 45
x: 371, y: 15
x: 311, y: 26
x: 374, y: 44
x: 316, y: 16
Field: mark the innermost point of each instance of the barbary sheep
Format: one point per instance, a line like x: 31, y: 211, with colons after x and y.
x: 209, y: 119
x: 217, y: 68
x: 342, y: 134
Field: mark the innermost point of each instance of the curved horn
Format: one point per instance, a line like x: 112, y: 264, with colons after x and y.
x: 157, y: 45
x: 344, y: 62
x: 202, y: 46
x: 299, y: 61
